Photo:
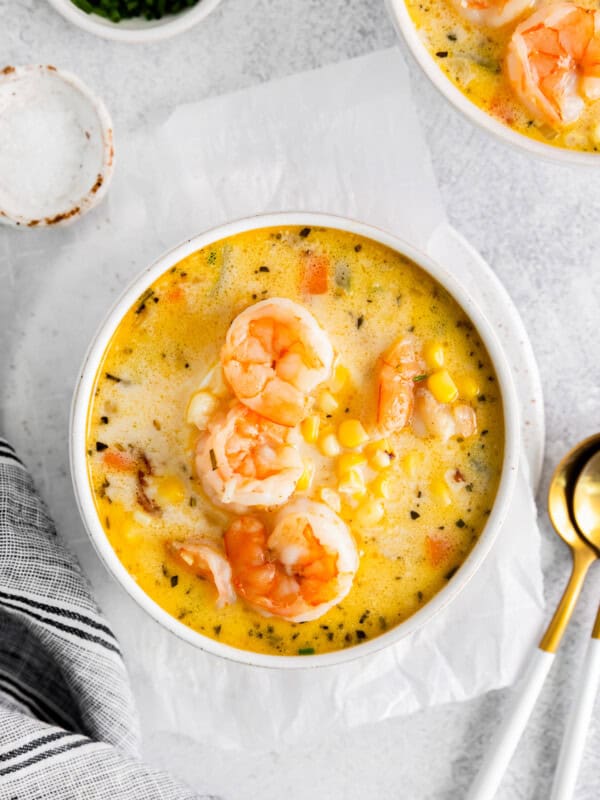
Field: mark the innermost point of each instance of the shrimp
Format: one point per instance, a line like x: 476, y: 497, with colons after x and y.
x: 553, y: 62
x: 275, y: 354
x: 440, y: 420
x: 399, y: 366
x: 202, y: 557
x: 244, y: 460
x: 299, y: 571
x: 492, y: 13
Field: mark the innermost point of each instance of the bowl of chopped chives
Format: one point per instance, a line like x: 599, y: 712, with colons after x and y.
x: 135, y: 20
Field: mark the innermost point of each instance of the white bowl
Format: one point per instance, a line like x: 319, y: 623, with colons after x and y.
x: 406, y: 28
x: 138, y: 29
x: 56, y: 147
x: 84, y: 389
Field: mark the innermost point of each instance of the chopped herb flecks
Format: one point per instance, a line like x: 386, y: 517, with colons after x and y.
x: 143, y: 300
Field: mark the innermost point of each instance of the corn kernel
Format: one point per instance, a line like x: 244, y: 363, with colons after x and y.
x: 467, y: 386
x: 171, y: 489
x: 380, y: 486
x: 352, y: 434
x: 410, y: 463
x: 442, y: 387
x: 433, y: 352
x: 440, y: 492
x: 380, y: 460
x: 378, y: 444
x: 200, y: 409
x: 348, y: 461
x: 352, y: 483
x: 341, y: 375
x: 329, y: 445
x: 332, y: 499
x: 310, y: 428
x: 305, y: 480
x: 327, y: 402
x: 369, y: 513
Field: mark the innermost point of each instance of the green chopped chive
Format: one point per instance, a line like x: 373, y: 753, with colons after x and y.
x: 306, y: 651
x: 117, y: 10
x: 419, y: 378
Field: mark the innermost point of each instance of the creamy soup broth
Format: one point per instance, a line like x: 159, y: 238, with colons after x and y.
x: 439, y: 494
x: 473, y: 58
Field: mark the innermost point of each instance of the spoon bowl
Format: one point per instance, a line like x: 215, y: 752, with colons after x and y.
x: 586, y: 499
x: 562, y: 491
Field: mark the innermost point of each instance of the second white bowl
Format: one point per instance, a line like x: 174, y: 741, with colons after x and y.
x: 135, y: 30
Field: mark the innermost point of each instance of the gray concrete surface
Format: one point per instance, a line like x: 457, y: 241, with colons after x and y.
x: 536, y: 224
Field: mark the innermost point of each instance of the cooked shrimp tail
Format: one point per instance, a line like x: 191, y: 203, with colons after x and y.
x: 204, y: 559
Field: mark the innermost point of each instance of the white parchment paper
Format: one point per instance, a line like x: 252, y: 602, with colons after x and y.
x: 344, y: 139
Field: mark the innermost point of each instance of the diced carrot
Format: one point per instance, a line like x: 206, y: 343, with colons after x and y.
x: 500, y: 106
x: 315, y: 272
x: 115, y: 459
x: 437, y: 550
x: 174, y: 295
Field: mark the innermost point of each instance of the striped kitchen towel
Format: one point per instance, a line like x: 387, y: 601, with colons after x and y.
x: 68, y: 727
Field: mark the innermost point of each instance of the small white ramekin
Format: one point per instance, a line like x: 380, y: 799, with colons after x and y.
x: 134, y: 31
x: 406, y: 28
x: 85, y: 386
x: 87, y: 178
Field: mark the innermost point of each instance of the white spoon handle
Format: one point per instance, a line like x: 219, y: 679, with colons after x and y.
x: 507, y: 737
x: 573, y: 742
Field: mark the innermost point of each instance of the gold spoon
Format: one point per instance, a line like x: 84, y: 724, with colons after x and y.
x: 586, y: 510
x: 584, y: 554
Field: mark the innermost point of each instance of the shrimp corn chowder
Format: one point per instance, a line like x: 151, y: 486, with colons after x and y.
x: 294, y: 440
x: 534, y: 66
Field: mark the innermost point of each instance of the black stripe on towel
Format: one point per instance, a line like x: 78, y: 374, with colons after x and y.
x: 33, y: 745
x: 36, y: 703
x: 88, y: 637
x: 62, y: 612
x: 43, y: 756
x: 10, y: 454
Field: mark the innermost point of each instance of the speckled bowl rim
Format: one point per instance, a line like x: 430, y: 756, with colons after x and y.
x: 96, y: 192
x: 405, y: 27
x: 135, y: 31
x: 83, y: 394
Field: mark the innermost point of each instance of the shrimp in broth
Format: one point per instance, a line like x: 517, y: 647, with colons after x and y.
x: 205, y: 560
x: 275, y: 354
x: 245, y: 460
x: 492, y: 13
x: 553, y: 62
x: 299, y: 571
x: 399, y: 366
